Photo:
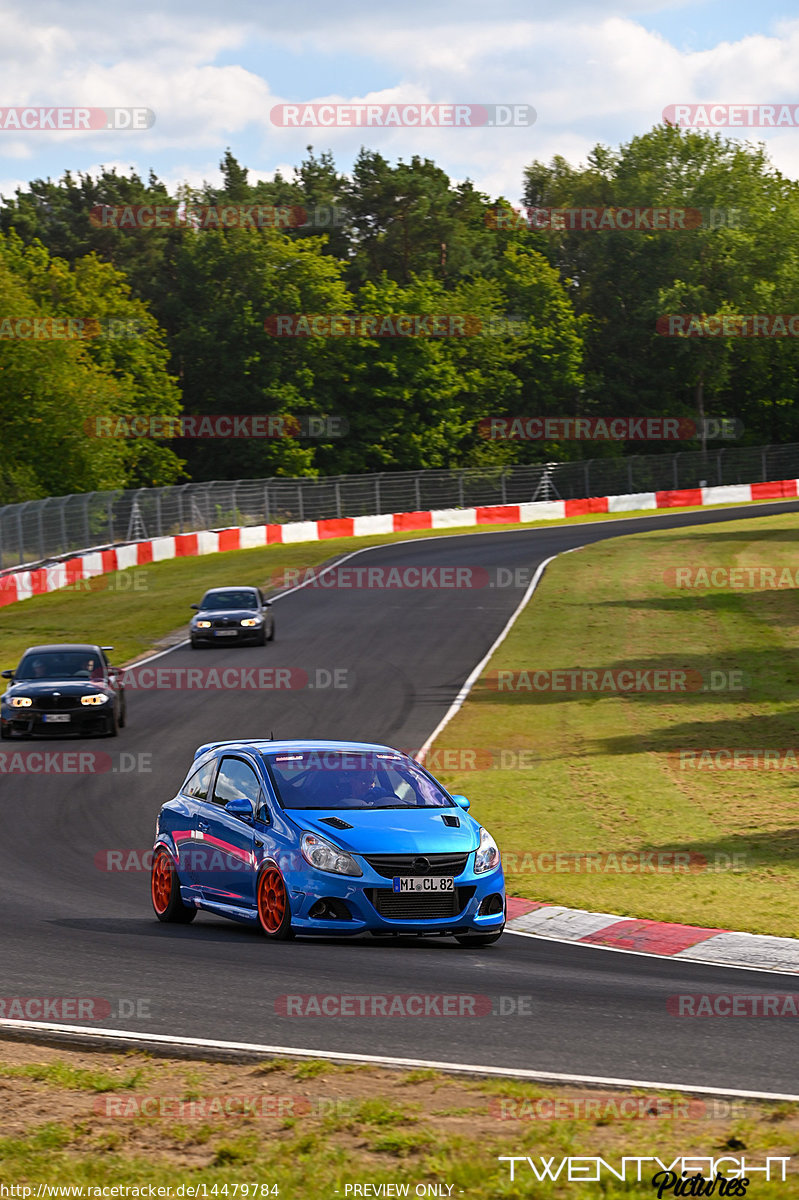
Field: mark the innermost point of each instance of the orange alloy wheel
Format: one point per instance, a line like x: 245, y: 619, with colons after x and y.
x: 161, y: 882
x: 272, y: 900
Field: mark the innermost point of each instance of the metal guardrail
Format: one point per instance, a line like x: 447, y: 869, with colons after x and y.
x: 42, y: 529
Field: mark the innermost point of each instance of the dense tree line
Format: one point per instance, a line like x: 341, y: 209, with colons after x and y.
x: 561, y: 318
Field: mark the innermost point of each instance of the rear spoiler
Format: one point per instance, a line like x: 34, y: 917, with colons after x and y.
x: 215, y: 746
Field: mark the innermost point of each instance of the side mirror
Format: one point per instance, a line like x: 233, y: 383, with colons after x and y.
x: 7, y: 674
x: 462, y: 802
x: 106, y: 647
x: 240, y: 807
x: 195, y: 606
x: 267, y: 604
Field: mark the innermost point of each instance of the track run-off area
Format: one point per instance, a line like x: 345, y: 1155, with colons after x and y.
x: 71, y: 928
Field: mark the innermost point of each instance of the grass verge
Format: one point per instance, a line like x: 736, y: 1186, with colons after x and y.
x: 302, y: 1135
x: 616, y: 774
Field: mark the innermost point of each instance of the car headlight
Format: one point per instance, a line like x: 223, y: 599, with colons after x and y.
x: 487, y: 855
x: 20, y: 702
x: 326, y: 857
x: 203, y: 624
x: 99, y: 698
x: 250, y: 621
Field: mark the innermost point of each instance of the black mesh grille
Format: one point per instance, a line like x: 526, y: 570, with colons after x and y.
x: 415, y: 906
x: 56, y: 703
x: 389, y: 865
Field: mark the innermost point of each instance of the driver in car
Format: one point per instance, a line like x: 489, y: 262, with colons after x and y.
x: 363, y: 785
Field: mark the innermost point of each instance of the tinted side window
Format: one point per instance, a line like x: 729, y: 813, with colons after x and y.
x: 197, y: 784
x: 236, y: 778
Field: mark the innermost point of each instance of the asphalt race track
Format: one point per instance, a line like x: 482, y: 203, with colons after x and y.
x: 69, y: 928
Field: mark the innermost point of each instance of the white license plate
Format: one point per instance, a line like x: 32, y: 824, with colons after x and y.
x: 423, y: 883
x: 53, y: 718
x: 225, y: 632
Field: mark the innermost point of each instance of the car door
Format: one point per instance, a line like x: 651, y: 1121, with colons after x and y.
x: 226, y: 843
x: 187, y: 834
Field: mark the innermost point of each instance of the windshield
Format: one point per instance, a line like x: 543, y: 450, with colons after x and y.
x: 228, y: 600
x: 336, y: 780
x: 63, y: 664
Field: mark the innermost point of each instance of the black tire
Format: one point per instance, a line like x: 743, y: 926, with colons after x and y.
x: 271, y: 637
x: 167, y: 904
x: 196, y: 645
x: 5, y: 734
x: 476, y: 941
x: 113, y: 723
x: 267, y: 893
x: 123, y: 714
x: 261, y: 639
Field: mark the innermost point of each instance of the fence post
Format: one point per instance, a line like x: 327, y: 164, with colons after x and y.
x: 676, y: 473
x: 158, y: 512
x: 378, y: 500
x: 587, y: 476
x: 630, y: 474
x: 418, y: 493
x: 64, y: 546
x: 338, y: 496
x: 87, y: 535
x: 300, y: 499
x: 720, y: 467
x: 763, y: 453
x: 266, y: 503
x: 460, y: 488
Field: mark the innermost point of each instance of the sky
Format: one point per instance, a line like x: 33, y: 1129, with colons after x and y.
x: 213, y: 73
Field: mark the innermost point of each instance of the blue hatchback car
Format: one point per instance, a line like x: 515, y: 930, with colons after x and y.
x: 325, y: 837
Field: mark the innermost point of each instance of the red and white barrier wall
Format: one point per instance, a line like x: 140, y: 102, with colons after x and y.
x: 21, y: 585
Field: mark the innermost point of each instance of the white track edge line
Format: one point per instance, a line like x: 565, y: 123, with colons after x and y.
x: 680, y: 956
x: 378, y: 1060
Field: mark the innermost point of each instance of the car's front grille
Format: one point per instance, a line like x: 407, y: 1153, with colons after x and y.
x: 416, y: 906
x: 225, y: 623
x: 54, y: 703
x: 389, y: 865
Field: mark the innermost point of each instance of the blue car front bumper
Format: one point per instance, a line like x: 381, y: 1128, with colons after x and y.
x: 322, y: 902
